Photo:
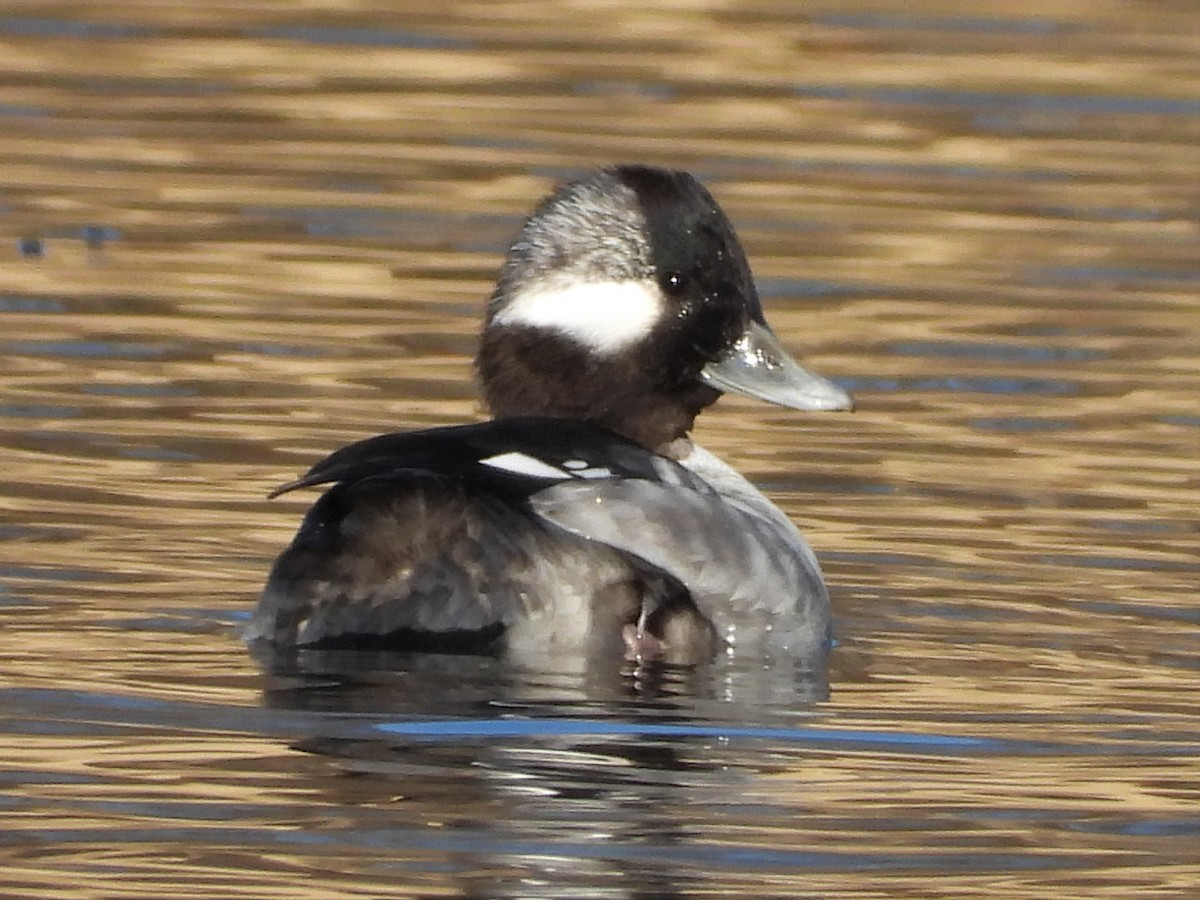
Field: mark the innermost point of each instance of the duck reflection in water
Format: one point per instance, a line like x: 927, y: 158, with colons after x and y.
x: 536, y: 784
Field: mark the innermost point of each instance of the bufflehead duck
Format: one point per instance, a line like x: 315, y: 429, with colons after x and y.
x: 581, y: 519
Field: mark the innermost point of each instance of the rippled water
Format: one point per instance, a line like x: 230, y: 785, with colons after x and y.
x: 236, y: 236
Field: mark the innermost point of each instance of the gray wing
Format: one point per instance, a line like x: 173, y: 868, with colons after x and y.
x: 752, y: 575
x: 429, y: 557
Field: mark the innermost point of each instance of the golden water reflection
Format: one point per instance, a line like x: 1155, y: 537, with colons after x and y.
x: 235, y: 236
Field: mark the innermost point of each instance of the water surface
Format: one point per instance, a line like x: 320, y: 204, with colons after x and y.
x: 236, y: 236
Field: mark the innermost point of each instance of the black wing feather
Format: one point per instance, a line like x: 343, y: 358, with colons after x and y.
x: 459, y: 451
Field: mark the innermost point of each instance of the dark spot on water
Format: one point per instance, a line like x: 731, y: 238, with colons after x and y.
x: 31, y: 248
x: 96, y: 236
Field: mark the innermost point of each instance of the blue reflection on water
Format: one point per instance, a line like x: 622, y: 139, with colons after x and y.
x: 980, y: 385
x: 136, y: 390
x: 1021, y: 424
x: 359, y: 37
x: 1051, y: 274
x: 1031, y: 103
x: 340, y: 222
x: 38, y: 411
x: 810, y: 287
x: 645, y: 89
x: 14, y: 111
x: 931, y: 170
x: 534, y: 727
x: 1144, y: 610
x: 1141, y: 828
x: 62, y: 28
x: 1116, y: 562
x: 157, y: 454
x: 30, y: 305
x: 1101, y: 213
x: 993, y: 351
x: 265, y: 349
x: 89, y: 349
x: 53, y: 573
x: 946, y: 24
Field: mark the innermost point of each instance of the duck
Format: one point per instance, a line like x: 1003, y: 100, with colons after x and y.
x: 580, y: 521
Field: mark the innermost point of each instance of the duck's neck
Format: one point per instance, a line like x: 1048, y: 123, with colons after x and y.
x: 524, y: 372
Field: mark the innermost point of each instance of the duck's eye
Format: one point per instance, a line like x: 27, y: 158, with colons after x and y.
x: 675, y: 284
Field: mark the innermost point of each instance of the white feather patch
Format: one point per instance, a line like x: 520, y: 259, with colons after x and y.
x: 580, y: 469
x: 597, y: 472
x: 521, y: 464
x: 604, y: 315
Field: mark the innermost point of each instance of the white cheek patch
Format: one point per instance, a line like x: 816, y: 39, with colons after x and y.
x: 606, y: 316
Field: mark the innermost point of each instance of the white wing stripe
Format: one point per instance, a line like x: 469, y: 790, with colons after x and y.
x: 523, y: 464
